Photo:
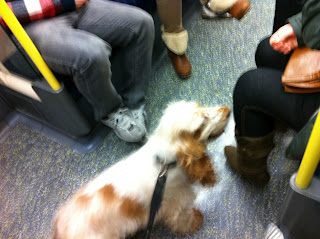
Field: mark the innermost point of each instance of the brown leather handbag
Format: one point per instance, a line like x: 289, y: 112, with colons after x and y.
x: 302, y: 72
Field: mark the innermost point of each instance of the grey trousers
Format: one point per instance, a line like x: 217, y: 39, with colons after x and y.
x: 80, y: 44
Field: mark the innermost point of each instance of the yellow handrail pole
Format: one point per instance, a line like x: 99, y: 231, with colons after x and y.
x: 310, y: 158
x: 25, y: 41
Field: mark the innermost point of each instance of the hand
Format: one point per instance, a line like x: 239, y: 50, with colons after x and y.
x: 80, y: 3
x: 284, y: 40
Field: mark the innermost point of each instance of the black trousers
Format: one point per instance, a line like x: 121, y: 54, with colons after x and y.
x: 260, y: 100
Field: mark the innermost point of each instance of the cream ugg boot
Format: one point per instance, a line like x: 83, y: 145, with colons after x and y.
x: 221, y: 5
x: 236, y: 8
x: 176, y: 42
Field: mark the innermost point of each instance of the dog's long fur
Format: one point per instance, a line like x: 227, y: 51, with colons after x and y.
x: 116, y: 204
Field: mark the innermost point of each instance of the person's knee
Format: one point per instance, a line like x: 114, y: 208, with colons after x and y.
x: 95, y: 53
x: 146, y: 26
x: 41, y: 32
x: 244, y: 80
x: 245, y: 85
x: 262, y: 46
x: 148, y: 22
x: 263, y: 52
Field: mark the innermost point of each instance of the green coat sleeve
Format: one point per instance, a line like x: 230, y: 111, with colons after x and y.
x: 296, y: 23
x: 311, y: 24
x: 307, y: 25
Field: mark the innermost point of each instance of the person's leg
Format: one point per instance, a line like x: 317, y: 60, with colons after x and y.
x: 174, y: 35
x: 266, y: 56
x: 81, y: 55
x: 85, y: 57
x: 260, y: 101
x: 170, y: 13
x: 132, y: 30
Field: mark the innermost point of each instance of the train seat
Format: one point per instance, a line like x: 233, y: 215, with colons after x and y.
x: 65, y: 112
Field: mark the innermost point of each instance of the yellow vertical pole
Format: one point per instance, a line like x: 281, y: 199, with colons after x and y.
x: 310, y: 158
x: 25, y: 41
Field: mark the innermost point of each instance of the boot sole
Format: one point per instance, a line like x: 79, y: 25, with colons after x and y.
x: 184, y: 76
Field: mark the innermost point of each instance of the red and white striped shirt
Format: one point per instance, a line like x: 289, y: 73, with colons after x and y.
x: 32, y: 10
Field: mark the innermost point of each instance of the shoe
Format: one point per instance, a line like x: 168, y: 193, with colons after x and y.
x: 273, y: 232
x: 207, y: 13
x: 140, y: 116
x: 239, y: 9
x: 124, y: 125
x: 181, y: 64
x: 249, y: 158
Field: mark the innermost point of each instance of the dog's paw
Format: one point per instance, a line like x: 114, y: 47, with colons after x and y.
x: 197, y: 219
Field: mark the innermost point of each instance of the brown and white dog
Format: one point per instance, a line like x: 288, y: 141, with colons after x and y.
x: 116, y: 204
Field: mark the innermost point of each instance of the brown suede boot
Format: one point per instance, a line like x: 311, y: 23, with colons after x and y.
x: 249, y: 158
x: 181, y: 64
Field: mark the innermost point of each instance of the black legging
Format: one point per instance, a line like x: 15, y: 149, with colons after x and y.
x: 259, y: 97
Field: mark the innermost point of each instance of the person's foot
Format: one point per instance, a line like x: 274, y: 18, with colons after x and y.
x: 273, y: 232
x: 125, y: 126
x: 207, y: 13
x: 181, y: 64
x: 257, y: 175
x: 239, y: 9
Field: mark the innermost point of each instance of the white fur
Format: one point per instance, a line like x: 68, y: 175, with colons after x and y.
x: 134, y: 178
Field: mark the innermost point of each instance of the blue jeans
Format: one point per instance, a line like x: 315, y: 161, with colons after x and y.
x: 81, y: 43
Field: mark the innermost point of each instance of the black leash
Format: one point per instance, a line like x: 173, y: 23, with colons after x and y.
x: 158, y: 193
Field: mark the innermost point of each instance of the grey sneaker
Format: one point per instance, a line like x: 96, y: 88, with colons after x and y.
x: 125, y: 126
x: 140, y: 116
x: 273, y: 232
x: 207, y: 13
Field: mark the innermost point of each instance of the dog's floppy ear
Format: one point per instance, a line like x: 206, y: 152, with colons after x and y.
x: 192, y: 157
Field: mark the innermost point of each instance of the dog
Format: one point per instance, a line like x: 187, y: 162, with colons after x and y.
x: 116, y: 204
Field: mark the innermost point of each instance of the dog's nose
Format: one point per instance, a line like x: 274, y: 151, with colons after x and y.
x: 226, y: 111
